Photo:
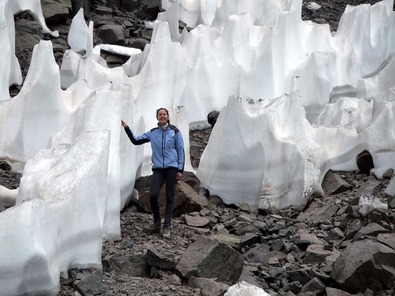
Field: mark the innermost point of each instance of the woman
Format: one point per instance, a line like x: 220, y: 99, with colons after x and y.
x: 168, y: 160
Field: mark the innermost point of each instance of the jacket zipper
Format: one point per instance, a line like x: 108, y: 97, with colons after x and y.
x: 163, y: 148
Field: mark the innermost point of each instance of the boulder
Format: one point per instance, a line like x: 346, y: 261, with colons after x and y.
x: 56, y: 11
x: 365, y: 162
x: 208, y: 258
x: 134, y: 265
x: 164, y: 261
x: 363, y: 258
x: 208, y: 287
x: 94, y: 284
x: 333, y: 184
x: 111, y: 34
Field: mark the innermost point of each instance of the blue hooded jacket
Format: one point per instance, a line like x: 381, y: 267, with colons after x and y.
x: 167, y: 146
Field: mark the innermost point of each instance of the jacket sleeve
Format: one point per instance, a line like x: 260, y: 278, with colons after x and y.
x: 180, y: 152
x: 139, y: 140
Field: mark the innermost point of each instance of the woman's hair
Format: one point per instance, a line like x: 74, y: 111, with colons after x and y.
x: 167, y: 112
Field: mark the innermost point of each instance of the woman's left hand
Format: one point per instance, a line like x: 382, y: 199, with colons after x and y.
x: 179, y: 176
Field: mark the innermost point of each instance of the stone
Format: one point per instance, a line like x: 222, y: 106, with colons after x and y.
x: 209, y: 287
x: 365, y: 162
x: 366, y: 257
x: 387, y: 239
x: 111, y: 34
x: 334, y: 184
x: 212, y: 117
x: 134, y: 265
x: 208, y: 258
x: 93, y: 284
x: 335, y: 292
x: 56, y: 11
x: 130, y: 5
x: 370, y: 187
x: 228, y: 239
x: 319, y: 254
x: 315, y: 285
x: 196, y: 221
x: 161, y: 260
x: 372, y: 229
x: 318, y: 213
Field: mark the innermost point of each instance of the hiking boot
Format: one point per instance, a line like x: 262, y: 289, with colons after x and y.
x: 166, y: 232
x: 153, y: 228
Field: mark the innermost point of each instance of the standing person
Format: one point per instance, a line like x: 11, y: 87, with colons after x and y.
x: 168, y: 160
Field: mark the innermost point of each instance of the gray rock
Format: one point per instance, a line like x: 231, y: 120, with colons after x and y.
x: 370, y: 187
x: 130, y: 5
x: 4, y: 165
x: 209, y: 287
x: 93, y: 284
x: 212, y: 117
x: 196, y: 221
x: 334, y: 184
x: 320, y: 254
x: 161, y: 260
x: 314, y: 287
x: 372, y: 229
x: 257, y: 254
x: 111, y: 34
x: 134, y: 265
x: 56, y: 10
x: 387, y: 239
x: 231, y: 240
x: 365, y: 258
x: 209, y: 258
x: 300, y: 275
x: 335, y: 292
x: 316, y: 212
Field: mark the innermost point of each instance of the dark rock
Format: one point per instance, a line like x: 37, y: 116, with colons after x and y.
x: 372, y: 230
x: 93, y: 284
x: 209, y: 258
x: 370, y: 187
x: 138, y: 43
x: 365, y: 162
x: 130, y: 5
x: 315, y: 286
x: 315, y: 212
x: 111, y: 34
x: 134, y: 265
x: 161, y: 261
x: 209, y: 287
x: 212, y: 118
x: 55, y: 12
x: 365, y: 258
x: 335, y: 292
x: 333, y: 184
x: 5, y: 165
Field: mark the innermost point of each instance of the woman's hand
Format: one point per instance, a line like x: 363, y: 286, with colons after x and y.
x: 178, y: 176
x: 123, y: 123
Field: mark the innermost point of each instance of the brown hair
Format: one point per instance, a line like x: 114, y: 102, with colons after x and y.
x: 167, y: 112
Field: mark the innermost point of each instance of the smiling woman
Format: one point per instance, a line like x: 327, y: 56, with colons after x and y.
x: 168, y: 159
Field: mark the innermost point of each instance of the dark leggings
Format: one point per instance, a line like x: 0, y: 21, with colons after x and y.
x: 158, y: 178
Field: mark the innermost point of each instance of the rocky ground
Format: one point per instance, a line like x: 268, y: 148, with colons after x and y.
x: 280, y: 232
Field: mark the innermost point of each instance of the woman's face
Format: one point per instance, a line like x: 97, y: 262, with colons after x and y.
x: 162, y: 117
